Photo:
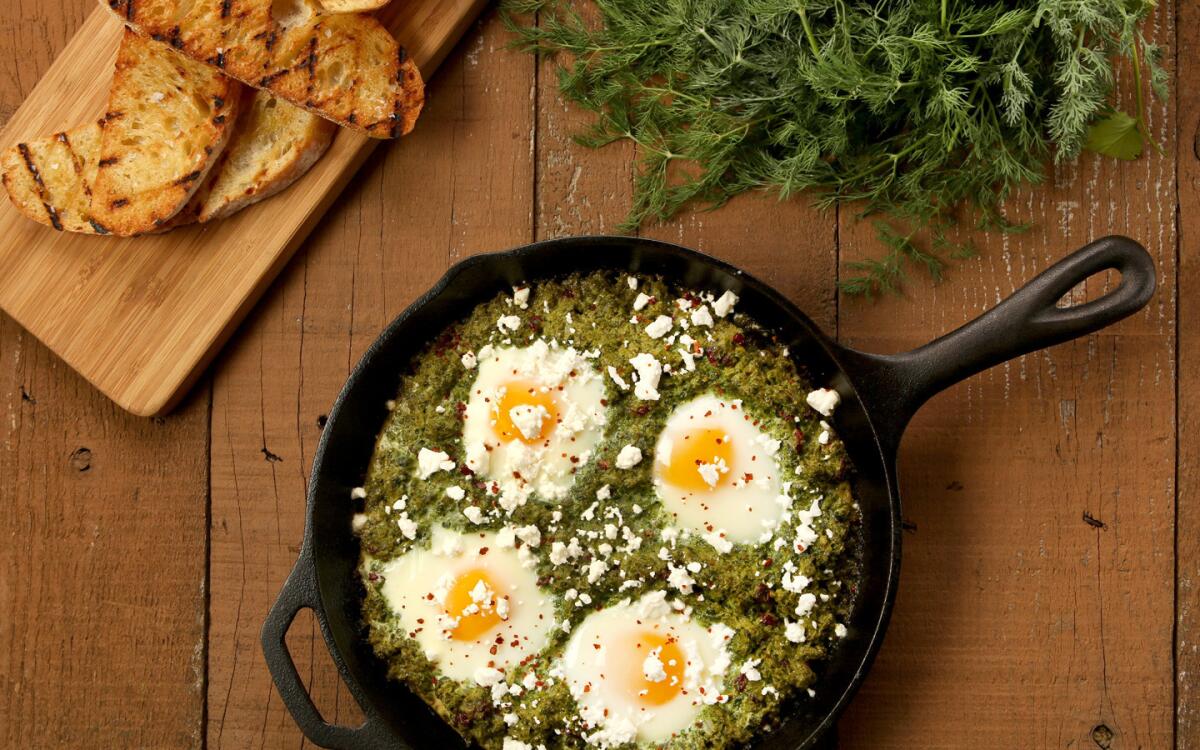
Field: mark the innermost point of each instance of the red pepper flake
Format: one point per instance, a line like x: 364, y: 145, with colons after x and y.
x: 739, y: 339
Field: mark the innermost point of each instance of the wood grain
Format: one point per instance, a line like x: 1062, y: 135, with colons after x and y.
x: 1018, y: 622
x: 466, y: 182
x: 141, y: 318
x: 103, y: 516
x: 1187, y: 532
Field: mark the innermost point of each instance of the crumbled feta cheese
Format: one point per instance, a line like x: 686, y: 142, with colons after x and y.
x: 640, y: 302
x: 806, y: 604
x: 469, y: 360
x: 455, y: 493
x: 558, y: 553
x: 824, y: 401
x: 723, y: 305
x: 430, y: 462
x: 659, y: 328
x: 750, y: 670
x: 649, y: 372
x: 604, y: 493
x: 530, y: 535
x: 474, y: 514
x: 701, y: 316
x: 596, y: 569
x: 509, y: 322
x: 487, y: 676
x: 652, y: 667
x: 794, y: 632
x: 839, y: 630
x: 357, y: 521
x: 616, y: 378
x: 632, y: 281
x: 629, y: 457
x: 689, y: 361
x: 521, y: 297
x: 528, y: 419
x: 718, y: 542
x: 407, y: 526
x: 358, y: 493
x: 679, y: 578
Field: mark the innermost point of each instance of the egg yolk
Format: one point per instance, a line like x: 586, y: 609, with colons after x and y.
x: 651, y: 692
x: 691, y: 452
x: 472, y: 626
x: 518, y: 394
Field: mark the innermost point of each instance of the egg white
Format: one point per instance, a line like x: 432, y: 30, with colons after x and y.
x: 548, y: 466
x: 747, y: 504
x: 415, y: 583
x: 594, y: 661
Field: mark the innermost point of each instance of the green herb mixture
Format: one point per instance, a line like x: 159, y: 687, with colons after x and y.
x: 740, y: 588
x: 924, y: 111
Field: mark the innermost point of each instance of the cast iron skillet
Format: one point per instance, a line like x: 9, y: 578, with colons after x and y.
x: 879, y: 395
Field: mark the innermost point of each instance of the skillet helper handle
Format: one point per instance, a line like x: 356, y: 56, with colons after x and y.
x: 1027, y: 321
x: 300, y: 592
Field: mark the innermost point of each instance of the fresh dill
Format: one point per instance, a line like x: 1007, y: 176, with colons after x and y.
x: 922, y: 113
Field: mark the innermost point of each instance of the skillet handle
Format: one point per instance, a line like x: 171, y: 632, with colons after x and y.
x: 300, y: 592
x: 897, y: 385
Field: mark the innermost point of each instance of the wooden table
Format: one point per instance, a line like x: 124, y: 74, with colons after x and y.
x: 1047, y: 598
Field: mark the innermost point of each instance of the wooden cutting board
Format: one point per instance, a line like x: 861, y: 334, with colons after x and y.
x: 140, y: 318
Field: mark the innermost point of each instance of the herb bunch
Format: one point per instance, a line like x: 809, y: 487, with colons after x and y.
x: 921, y: 112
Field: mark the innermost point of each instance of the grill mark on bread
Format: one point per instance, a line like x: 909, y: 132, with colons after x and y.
x: 27, y: 157
x: 267, y: 80
x: 108, y: 162
x: 119, y: 203
x: 100, y: 228
x: 189, y: 177
x: 43, y: 194
x: 226, y: 7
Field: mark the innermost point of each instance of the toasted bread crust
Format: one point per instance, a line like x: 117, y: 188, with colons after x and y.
x: 344, y: 67
x: 168, y: 120
x: 275, y: 143
x: 352, y: 6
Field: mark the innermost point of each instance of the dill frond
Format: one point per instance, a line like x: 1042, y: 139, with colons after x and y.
x: 918, y: 110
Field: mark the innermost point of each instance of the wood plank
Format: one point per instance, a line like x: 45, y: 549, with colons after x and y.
x: 1187, y: 532
x: 140, y: 318
x: 104, y: 516
x: 461, y: 184
x: 1019, y: 623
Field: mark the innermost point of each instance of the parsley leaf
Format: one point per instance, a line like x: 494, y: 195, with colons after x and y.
x: 1117, y: 136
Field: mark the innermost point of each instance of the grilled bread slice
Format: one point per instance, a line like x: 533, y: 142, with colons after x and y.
x: 167, y: 122
x: 344, y: 67
x: 273, y: 144
x: 49, y: 180
x: 352, y: 6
